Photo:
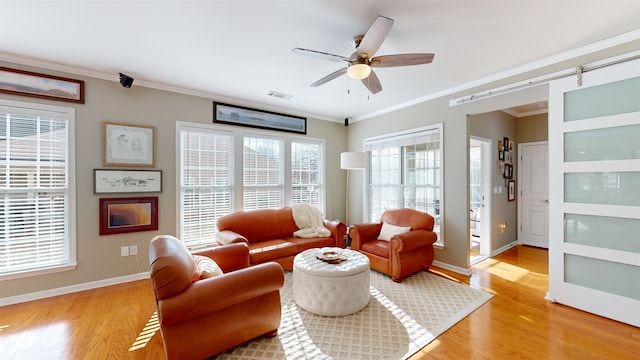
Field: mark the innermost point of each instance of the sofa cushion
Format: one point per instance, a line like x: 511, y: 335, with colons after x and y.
x: 376, y: 247
x: 310, y: 243
x: 207, y: 266
x: 271, y: 250
x: 389, y: 230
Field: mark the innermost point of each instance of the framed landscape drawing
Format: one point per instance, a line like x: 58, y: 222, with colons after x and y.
x: 128, y: 145
x: 27, y: 83
x: 124, y: 181
x: 238, y: 115
x: 123, y: 215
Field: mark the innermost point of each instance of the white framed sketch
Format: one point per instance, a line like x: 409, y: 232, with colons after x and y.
x: 128, y: 145
x: 124, y: 181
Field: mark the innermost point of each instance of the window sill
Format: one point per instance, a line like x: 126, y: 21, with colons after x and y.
x: 38, y: 272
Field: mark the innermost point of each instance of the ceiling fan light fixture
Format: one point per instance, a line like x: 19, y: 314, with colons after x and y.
x: 359, y: 71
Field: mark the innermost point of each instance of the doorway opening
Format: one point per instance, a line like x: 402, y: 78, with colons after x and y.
x: 479, y: 201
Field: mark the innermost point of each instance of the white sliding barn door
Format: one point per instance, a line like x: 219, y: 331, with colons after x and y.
x: 594, y: 193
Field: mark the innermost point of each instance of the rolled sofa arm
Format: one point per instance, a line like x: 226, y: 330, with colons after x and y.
x: 338, y: 230
x: 213, y: 294
x: 229, y: 257
x: 225, y: 237
x: 361, y: 233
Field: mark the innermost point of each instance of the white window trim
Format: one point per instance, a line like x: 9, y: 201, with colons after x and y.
x: 70, y: 114
x: 238, y: 133
x: 322, y: 170
x: 407, y: 134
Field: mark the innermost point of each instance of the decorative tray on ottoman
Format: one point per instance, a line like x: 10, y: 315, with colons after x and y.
x: 331, y: 256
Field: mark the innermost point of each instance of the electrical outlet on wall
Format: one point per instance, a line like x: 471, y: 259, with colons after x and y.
x: 124, y: 251
x: 133, y: 250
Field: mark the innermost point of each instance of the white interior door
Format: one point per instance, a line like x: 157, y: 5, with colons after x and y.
x: 594, y: 210
x: 533, y: 190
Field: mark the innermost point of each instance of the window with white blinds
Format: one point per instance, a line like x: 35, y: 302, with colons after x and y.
x: 406, y: 172
x: 306, y: 173
x: 206, y: 182
x: 36, y: 176
x: 263, y: 173
x: 271, y: 172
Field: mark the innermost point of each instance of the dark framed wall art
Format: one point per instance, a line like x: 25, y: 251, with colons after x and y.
x: 27, y: 83
x: 238, y: 115
x: 123, y: 215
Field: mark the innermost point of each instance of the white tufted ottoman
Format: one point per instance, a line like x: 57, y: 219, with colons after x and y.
x: 331, y: 289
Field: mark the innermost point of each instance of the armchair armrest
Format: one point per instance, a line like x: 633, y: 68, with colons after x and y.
x: 226, y: 237
x: 412, y: 240
x: 229, y: 257
x: 209, y: 295
x: 361, y: 233
x: 338, y: 230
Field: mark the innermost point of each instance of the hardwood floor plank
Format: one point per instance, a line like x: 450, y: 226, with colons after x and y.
x: 119, y: 322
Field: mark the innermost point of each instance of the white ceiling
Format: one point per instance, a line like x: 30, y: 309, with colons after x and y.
x: 238, y: 51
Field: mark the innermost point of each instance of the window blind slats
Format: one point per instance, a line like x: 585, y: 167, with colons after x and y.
x: 206, y: 183
x: 34, y: 166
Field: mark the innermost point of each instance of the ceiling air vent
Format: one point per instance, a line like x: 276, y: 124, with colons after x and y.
x: 279, y: 95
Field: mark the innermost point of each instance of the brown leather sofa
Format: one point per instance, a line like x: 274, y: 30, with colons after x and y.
x: 269, y: 235
x: 202, y: 317
x: 404, y: 253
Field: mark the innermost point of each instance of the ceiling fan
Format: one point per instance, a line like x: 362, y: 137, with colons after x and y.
x: 360, y: 63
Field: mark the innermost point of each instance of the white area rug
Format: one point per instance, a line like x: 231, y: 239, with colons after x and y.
x: 399, y: 320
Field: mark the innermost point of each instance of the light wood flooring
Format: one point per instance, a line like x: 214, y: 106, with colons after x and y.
x: 117, y: 322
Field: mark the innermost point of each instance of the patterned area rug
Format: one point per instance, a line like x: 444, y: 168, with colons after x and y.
x: 399, y: 320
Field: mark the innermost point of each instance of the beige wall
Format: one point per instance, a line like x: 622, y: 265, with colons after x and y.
x: 495, y: 126
x: 532, y: 128
x: 99, y: 256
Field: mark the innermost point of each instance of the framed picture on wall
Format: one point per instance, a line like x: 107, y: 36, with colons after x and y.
x: 126, y: 181
x: 123, y: 215
x: 243, y: 116
x: 508, y: 171
x: 511, y: 190
x: 500, y: 167
x: 27, y: 83
x: 501, y: 155
x: 128, y: 145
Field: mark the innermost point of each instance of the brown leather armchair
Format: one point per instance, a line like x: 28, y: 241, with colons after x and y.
x: 202, y: 317
x: 405, y: 253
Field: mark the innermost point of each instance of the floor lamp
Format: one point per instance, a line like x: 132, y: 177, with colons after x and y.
x: 351, y: 160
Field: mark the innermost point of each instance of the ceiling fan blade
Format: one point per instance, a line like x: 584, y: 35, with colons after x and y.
x: 401, y: 60
x: 375, y: 36
x: 320, y: 55
x: 372, y: 83
x: 330, y: 77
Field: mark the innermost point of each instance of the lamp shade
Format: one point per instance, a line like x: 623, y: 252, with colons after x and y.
x: 359, y: 71
x: 353, y: 160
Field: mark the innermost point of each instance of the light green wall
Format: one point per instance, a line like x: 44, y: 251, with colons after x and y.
x: 99, y: 256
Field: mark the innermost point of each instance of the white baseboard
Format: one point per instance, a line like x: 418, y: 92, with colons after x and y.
x: 464, y: 271
x: 504, y: 248
x: 450, y: 267
x: 73, y: 288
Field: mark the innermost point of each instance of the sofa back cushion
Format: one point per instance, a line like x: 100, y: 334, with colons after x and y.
x: 415, y: 219
x: 172, y: 266
x: 260, y: 225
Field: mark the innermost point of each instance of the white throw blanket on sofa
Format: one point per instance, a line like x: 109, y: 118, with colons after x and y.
x: 309, y: 220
